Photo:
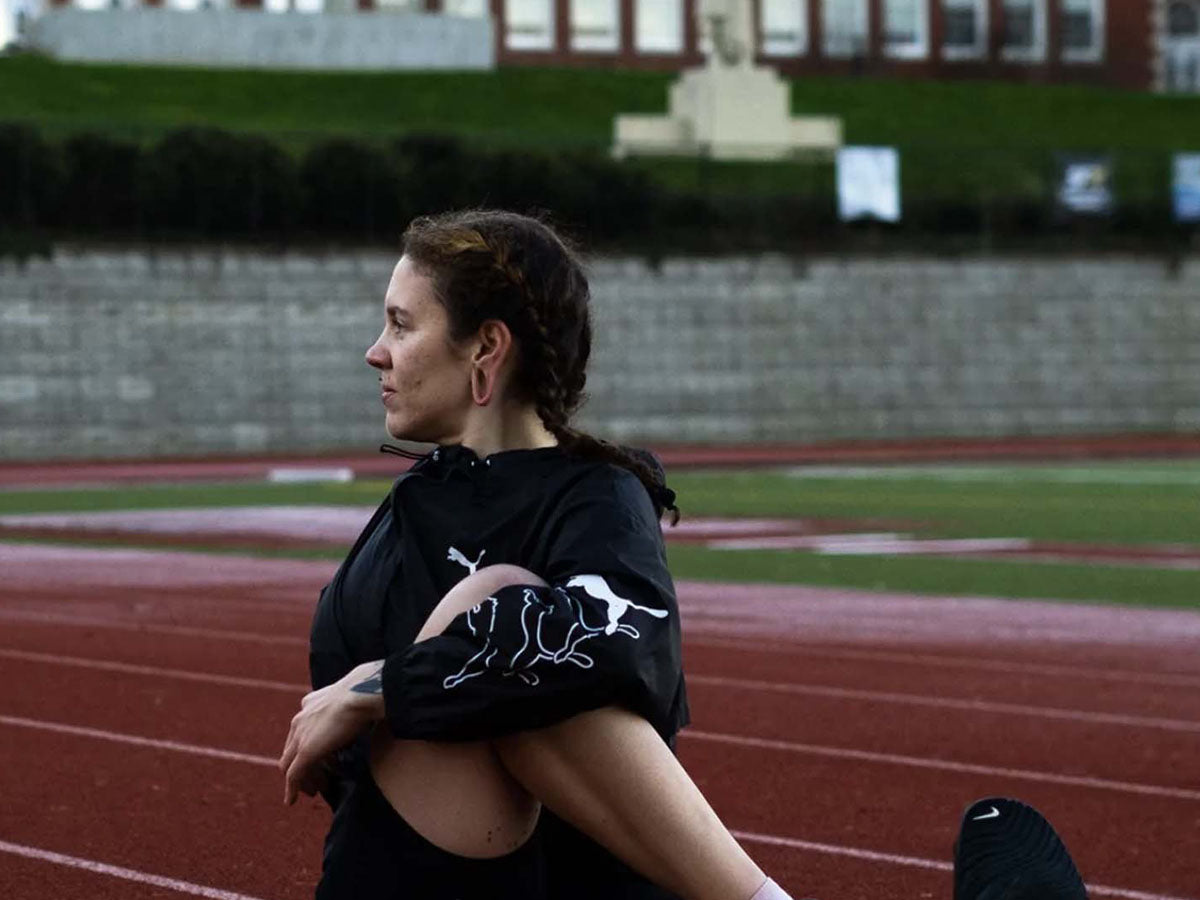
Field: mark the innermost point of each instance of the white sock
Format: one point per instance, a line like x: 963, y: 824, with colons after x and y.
x: 771, y: 891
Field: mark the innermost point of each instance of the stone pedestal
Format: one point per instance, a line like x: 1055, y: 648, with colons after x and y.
x: 728, y: 113
x: 730, y: 108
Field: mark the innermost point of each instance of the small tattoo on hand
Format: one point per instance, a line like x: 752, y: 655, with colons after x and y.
x: 373, y: 685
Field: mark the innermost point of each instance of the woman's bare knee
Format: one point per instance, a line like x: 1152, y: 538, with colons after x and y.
x: 472, y: 591
x: 458, y: 796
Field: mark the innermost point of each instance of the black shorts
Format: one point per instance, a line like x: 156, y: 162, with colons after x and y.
x: 371, y: 853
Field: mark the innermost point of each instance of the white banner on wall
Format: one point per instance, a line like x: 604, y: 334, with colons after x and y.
x: 1186, y: 187
x: 1085, y: 185
x: 868, y: 183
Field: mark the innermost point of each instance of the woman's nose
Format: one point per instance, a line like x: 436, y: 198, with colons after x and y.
x: 377, y: 358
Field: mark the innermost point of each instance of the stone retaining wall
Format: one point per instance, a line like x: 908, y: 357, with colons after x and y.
x: 129, y: 352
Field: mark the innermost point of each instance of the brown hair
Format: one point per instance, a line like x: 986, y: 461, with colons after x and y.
x: 490, y: 264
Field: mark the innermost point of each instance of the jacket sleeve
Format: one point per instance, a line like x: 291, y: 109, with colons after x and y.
x: 605, y: 632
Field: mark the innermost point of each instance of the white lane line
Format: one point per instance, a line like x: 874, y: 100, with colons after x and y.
x: 137, y: 740
x: 714, y: 737
x: 944, y: 765
x: 105, y: 665
x: 150, y: 628
x: 986, y: 706
x: 917, y: 862
x: 91, y: 865
x: 1167, y: 679
x: 741, y: 835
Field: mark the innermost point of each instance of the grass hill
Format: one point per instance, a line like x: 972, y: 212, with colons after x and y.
x: 570, y: 107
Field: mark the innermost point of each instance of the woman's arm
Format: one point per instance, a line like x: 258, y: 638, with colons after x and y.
x: 604, y: 632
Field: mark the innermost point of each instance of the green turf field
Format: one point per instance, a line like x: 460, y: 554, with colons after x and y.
x: 1116, y: 503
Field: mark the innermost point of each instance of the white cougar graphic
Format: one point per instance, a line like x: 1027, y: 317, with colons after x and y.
x: 596, y: 587
x: 455, y: 555
x: 550, y: 630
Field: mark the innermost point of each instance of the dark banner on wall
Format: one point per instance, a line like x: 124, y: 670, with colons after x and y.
x: 1186, y: 187
x: 1085, y: 185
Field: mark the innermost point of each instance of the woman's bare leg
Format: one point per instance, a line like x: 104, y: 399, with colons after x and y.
x: 607, y: 772
x: 456, y: 795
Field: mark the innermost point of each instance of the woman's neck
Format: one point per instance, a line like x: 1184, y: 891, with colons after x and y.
x: 493, y: 430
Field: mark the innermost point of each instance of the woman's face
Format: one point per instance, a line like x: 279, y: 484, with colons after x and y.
x: 424, y: 379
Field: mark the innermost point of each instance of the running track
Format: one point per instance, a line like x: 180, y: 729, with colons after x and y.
x: 840, y: 734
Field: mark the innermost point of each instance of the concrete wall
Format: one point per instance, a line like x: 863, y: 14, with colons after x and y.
x: 106, y: 352
x: 256, y: 39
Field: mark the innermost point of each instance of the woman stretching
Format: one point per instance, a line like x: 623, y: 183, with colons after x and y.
x: 504, y: 636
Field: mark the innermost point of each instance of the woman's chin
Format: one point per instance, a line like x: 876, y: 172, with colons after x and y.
x: 409, y: 432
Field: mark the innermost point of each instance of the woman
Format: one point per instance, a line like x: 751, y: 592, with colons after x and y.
x: 504, y: 632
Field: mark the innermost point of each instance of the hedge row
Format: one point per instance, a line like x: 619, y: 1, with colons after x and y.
x: 213, y: 185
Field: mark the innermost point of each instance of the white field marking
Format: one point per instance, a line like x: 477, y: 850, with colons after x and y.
x: 131, y: 669
x: 801, y: 541
x: 918, y: 546
x: 294, y: 475
x: 1043, y: 712
x: 917, y: 862
x: 1165, y: 679
x: 1003, y: 474
x: 138, y: 741
x: 870, y: 544
x: 919, y: 762
x: 150, y: 628
x: 91, y: 865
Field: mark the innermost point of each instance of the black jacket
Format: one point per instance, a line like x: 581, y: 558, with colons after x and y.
x: 606, y: 631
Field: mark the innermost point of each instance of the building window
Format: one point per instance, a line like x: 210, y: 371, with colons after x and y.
x: 1082, y: 30
x: 529, y: 25
x: 784, y: 27
x: 964, y: 34
x: 658, y: 26
x: 1183, y: 19
x: 1024, y: 30
x: 595, y: 26
x: 465, y: 9
x: 906, y: 28
x: 845, y: 27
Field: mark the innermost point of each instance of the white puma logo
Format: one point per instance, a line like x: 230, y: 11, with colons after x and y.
x: 597, y: 588
x: 455, y: 555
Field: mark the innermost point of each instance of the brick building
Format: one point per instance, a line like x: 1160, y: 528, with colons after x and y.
x: 1135, y: 44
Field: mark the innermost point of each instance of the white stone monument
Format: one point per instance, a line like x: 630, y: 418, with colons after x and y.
x: 730, y: 108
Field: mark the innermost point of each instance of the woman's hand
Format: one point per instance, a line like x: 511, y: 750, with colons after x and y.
x: 328, y: 720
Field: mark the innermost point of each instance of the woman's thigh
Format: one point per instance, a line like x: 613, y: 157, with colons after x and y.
x: 373, y: 854
x: 457, y: 795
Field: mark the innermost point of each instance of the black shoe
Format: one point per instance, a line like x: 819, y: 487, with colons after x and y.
x: 1008, y: 851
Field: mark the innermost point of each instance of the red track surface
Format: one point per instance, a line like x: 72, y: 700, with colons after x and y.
x: 840, y: 733
x: 62, y: 472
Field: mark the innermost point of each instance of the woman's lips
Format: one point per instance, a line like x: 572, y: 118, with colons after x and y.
x: 385, y: 395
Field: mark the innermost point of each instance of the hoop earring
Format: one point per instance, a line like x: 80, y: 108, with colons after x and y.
x: 479, y: 387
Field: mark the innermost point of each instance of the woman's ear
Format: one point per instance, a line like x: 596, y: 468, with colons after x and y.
x: 493, y: 349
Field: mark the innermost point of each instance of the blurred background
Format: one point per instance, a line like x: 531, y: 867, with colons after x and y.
x: 204, y: 201
x: 906, y: 294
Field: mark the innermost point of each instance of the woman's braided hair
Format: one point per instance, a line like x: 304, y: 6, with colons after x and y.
x: 489, y: 264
